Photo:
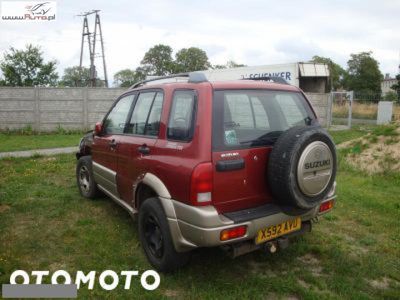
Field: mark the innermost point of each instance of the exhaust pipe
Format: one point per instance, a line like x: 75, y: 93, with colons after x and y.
x: 271, y: 247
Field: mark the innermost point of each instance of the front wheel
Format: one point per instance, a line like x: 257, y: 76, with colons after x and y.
x: 156, y: 239
x: 84, y: 177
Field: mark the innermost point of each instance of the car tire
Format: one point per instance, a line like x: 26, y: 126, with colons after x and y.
x: 302, y: 167
x: 156, y: 239
x: 84, y: 178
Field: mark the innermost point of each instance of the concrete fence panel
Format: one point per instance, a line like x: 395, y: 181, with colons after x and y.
x: 322, y: 106
x: 46, y: 109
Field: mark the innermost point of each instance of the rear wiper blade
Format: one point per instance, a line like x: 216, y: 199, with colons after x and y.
x: 260, y: 140
x: 269, y: 137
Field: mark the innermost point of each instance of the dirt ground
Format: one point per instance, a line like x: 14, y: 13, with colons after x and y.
x: 375, y: 153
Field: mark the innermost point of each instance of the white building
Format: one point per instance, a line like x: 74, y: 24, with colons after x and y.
x: 310, y: 77
x: 387, y: 83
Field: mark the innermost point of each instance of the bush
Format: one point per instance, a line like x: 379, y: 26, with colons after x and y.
x: 391, y: 96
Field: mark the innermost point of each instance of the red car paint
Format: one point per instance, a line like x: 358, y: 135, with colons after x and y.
x: 174, y: 161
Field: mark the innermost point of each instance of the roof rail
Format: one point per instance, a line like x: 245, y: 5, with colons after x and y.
x: 193, y: 77
x: 275, y: 79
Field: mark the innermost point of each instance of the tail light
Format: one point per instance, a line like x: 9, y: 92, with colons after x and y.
x: 233, y: 233
x: 201, y: 184
x: 327, y: 205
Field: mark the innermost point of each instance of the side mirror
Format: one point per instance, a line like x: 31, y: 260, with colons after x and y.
x: 98, y: 128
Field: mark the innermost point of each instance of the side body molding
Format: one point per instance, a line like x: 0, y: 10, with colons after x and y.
x: 106, y: 178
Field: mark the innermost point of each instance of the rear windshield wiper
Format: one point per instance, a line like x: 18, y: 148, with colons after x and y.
x: 268, y: 138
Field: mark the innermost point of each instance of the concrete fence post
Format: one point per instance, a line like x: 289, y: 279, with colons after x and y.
x: 329, y: 110
x: 37, y: 109
x: 85, y: 108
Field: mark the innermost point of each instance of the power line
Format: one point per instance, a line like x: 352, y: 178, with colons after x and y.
x: 91, y: 41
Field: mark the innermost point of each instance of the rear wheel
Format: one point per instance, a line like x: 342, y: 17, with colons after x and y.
x: 156, y: 238
x: 84, y: 177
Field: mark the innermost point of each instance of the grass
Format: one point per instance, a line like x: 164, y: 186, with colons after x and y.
x: 341, y: 136
x: 19, y: 142
x: 352, y: 252
x: 362, y: 111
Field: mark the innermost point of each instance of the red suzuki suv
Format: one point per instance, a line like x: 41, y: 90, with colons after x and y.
x: 238, y: 164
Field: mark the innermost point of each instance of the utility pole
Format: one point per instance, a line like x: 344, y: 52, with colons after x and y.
x: 91, y: 40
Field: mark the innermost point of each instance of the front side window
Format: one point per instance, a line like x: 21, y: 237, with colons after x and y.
x: 243, y: 118
x: 116, y: 119
x: 181, y: 119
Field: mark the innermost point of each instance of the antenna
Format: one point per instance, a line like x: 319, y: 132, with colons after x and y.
x: 91, y: 39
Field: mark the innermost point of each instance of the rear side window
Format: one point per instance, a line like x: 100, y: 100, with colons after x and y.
x: 181, y: 119
x: 145, y: 119
x: 244, y: 118
x: 153, y: 122
x: 137, y: 124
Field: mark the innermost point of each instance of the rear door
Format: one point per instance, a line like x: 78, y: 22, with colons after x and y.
x: 136, y: 146
x: 245, y: 126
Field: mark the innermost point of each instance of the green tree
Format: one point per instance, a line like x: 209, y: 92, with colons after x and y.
x: 336, y: 71
x: 141, y: 73
x: 191, y: 59
x: 127, y: 77
x: 27, y: 68
x: 229, y: 65
x: 363, y: 74
x: 158, y: 61
x: 75, y: 77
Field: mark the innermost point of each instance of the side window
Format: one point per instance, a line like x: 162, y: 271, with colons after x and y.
x: 116, y: 119
x: 137, y: 125
x: 146, y: 115
x: 153, y: 123
x: 181, y: 119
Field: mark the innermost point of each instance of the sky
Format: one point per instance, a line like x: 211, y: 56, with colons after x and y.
x: 248, y: 32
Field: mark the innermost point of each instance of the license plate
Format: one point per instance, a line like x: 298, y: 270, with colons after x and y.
x: 274, y: 231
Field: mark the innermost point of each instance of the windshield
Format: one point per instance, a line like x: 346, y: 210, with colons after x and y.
x: 251, y: 118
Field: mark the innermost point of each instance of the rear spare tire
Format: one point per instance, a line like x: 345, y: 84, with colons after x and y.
x: 302, y: 167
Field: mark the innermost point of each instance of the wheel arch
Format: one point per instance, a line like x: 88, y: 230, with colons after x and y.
x: 149, y: 186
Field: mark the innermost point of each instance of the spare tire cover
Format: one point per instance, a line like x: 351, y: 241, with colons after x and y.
x: 302, y: 167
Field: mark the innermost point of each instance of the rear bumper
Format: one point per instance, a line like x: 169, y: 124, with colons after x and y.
x: 193, y: 227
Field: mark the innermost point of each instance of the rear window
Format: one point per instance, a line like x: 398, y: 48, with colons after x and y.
x: 243, y: 119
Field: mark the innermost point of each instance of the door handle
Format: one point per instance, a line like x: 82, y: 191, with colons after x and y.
x: 144, y: 149
x: 113, y: 144
x: 230, y: 165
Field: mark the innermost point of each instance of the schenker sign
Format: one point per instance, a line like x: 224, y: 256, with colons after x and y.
x: 310, y: 77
